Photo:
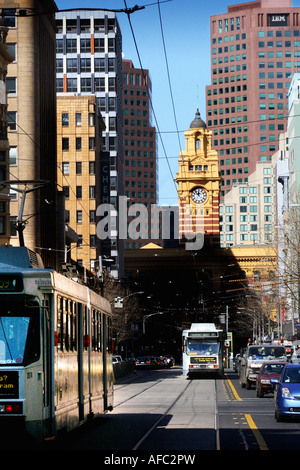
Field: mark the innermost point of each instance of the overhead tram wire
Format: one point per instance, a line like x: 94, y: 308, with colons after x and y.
x: 57, y: 165
x: 150, y: 99
x: 168, y: 72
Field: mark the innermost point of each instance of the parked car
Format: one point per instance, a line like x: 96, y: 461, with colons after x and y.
x: 287, y: 393
x: 268, y: 371
x: 162, y: 361
x: 143, y: 362
x: 116, y: 359
x: 170, y: 360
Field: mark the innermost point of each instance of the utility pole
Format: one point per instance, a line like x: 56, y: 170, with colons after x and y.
x: 29, y: 186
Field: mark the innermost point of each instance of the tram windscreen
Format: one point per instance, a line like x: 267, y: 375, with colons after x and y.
x: 203, y: 348
x: 19, y: 335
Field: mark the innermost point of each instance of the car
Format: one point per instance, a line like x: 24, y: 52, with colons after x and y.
x: 269, y: 370
x: 117, y: 359
x: 236, y: 360
x: 170, y: 360
x: 162, y: 361
x: 287, y: 393
x: 143, y: 362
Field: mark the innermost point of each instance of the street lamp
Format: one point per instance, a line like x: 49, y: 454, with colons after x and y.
x: 119, y: 300
x: 147, y: 316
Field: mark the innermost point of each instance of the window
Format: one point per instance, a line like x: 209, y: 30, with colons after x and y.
x: 79, y: 192
x: 92, y: 192
x: 78, y: 119
x: 85, y: 45
x: 11, y: 85
x: 13, y: 155
x: 78, y: 143
x: 65, y: 168
x: 79, y: 217
x: 65, y: 119
x: 12, y: 120
x: 78, y: 168
x: 65, y: 143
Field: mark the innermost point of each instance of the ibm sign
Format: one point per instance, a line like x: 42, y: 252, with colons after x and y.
x: 278, y: 19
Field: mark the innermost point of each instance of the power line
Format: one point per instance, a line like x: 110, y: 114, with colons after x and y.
x: 150, y: 100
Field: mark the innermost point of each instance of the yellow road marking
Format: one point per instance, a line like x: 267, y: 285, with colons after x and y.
x: 260, y: 440
x: 234, y: 390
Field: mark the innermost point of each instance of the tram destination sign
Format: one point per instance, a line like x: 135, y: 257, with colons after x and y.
x: 203, y: 360
x: 9, y: 384
x: 11, y: 283
x: 200, y: 334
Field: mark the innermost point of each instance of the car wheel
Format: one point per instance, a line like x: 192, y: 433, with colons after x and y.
x: 259, y: 393
x: 278, y: 416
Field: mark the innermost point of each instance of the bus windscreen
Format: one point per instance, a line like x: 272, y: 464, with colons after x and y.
x: 202, y: 348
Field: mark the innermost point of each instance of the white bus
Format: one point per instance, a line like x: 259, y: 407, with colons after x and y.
x: 202, y: 350
x: 55, y: 347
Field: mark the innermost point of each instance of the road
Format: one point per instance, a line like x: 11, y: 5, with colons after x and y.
x: 167, y: 416
x: 160, y: 410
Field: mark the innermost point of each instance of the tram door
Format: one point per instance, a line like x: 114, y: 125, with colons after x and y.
x: 104, y: 352
x: 48, y: 365
x: 80, y: 361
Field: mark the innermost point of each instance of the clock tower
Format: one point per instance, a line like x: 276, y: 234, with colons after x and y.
x: 198, y: 185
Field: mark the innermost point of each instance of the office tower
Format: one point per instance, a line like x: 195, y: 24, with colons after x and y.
x: 140, y: 164
x: 255, y: 49
x: 248, y: 212
x: 79, y: 141
x: 32, y: 122
x: 89, y: 61
x: 5, y: 59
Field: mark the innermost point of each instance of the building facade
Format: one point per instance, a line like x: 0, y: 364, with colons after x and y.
x: 32, y: 122
x: 140, y: 156
x: 248, y: 212
x: 255, y: 49
x: 89, y: 61
x: 79, y: 142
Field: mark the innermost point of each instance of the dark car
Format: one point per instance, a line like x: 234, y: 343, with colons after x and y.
x: 161, y: 361
x: 146, y: 362
x: 269, y: 370
x: 143, y: 362
x: 287, y: 393
x: 170, y: 360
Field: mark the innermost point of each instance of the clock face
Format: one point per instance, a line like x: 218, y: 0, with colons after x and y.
x: 199, y: 195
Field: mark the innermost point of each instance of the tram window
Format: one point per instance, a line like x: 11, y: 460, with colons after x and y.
x: 72, y: 322
x: 96, y: 330
x: 59, y: 323
x: 74, y: 327
x: 108, y: 335
x: 85, y: 328
x: 67, y: 325
x: 99, y: 332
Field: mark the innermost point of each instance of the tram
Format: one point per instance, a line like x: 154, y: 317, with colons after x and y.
x: 202, y: 350
x: 55, y: 347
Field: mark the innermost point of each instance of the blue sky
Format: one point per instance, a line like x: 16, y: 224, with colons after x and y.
x: 179, y: 54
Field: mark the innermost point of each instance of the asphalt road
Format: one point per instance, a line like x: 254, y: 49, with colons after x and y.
x: 161, y: 413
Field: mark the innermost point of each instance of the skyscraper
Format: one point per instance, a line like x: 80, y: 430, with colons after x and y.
x: 89, y: 61
x: 255, y: 49
x: 32, y: 122
x: 140, y: 164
